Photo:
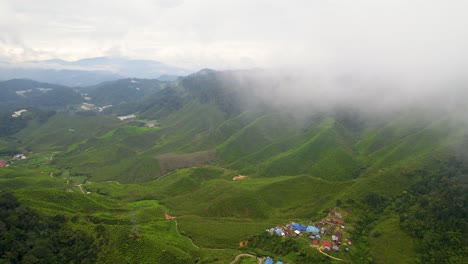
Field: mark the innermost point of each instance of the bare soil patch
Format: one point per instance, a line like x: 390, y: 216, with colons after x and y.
x: 173, y: 161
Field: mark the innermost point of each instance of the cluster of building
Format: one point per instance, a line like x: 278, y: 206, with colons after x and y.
x: 19, y: 157
x: 327, y: 234
x: 4, y: 163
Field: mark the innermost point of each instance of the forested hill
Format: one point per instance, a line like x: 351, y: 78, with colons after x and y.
x: 18, y: 94
x: 122, y: 91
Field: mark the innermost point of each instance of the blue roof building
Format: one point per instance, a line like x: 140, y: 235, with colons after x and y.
x: 312, y: 229
x: 268, y: 260
x: 298, y: 227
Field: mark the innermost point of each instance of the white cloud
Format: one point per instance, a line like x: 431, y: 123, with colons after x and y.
x: 390, y: 35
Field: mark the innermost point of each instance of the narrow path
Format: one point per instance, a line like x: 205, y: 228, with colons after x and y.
x: 165, y: 175
x: 338, y: 259
x: 81, y: 188
x: 259, y: 260
x: 89, y: 182
x: 118, y: 183
x: 191, y: 241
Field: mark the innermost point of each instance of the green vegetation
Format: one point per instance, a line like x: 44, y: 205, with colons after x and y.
x: 29, y: 237
x: 434, y: 212
x: 287, y: 248
x: 402, y: 179
x: 388, y: 232
x: 219, y: 233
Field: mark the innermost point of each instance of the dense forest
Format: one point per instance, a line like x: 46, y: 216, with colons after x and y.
x: 10, y: 125
x: 434, y: 211
x: 29, y: 237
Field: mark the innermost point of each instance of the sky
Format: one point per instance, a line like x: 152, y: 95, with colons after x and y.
x: 361, y: 35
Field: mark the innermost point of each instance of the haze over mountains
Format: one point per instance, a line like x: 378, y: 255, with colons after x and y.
x: 89, y: 71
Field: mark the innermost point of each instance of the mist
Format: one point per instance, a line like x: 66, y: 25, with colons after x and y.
x: 377, y: 93
x: 376, y: 56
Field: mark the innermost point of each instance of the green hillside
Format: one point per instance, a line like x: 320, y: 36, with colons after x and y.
x: 399, y: 177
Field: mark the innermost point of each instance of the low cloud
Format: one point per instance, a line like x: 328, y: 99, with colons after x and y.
x: 375, y: 54
x: 362, y: 34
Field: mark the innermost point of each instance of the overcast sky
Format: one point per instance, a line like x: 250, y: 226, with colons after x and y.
x: 223, y: 34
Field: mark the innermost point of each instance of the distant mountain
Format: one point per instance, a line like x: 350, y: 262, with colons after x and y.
x: 63, y: 77
x: 23, y: 93
x: 89, y: 71
x: 168, y: 78
x: 124, y: 67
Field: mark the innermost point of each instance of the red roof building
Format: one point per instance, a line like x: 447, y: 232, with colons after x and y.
x: 3, y: 164
x: 168, y: 217
x: 327, y: 243
x: 315, y: 242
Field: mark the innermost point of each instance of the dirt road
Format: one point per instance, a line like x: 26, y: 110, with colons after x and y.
x: 259, y: 260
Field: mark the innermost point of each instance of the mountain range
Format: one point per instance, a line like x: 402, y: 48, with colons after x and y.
x: 89, y: 71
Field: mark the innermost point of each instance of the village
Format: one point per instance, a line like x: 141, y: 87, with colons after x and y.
x: 329, y: 234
